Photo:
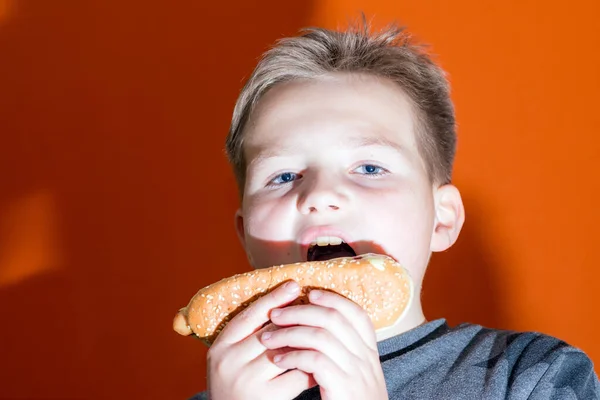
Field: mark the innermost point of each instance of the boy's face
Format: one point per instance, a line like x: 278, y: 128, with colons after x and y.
x: 337, y: 157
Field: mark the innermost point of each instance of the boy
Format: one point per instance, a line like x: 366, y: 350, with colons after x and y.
x: 348, y: 137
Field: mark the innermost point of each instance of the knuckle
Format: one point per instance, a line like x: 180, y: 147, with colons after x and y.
x: 213, y: 352
x: 217, y: 355
x: 331, y: 313
x: 320, y: 334
x: 216, y: 363
x: 334, y: 316
x: 318, y: 358
x: 248, y: 313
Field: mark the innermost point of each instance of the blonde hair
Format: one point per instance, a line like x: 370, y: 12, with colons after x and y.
x: 388, y: 54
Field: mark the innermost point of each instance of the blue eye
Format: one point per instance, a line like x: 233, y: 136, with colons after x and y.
x: 370, y: 169
x: 284, y: 178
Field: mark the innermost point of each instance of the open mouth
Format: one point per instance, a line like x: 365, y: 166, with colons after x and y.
x: 327, y: 248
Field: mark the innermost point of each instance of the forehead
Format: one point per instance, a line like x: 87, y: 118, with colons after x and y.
x: 335, y: 110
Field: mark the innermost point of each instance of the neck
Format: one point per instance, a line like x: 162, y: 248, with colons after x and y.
x: 413, y: 318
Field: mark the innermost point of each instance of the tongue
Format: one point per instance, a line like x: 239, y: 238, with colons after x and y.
x: 321, y: 253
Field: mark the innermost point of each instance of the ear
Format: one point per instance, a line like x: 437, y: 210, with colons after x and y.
x: 449, y: 217
x: 239, y: 227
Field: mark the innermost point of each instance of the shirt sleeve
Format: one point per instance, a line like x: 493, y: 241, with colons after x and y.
x: 570, y: 376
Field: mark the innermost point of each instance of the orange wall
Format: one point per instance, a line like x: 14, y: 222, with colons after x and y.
x: 116, y: 203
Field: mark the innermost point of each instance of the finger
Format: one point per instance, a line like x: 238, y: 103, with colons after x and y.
x: 252, y: 347
x: 265, y: 366
x: 292, y: 383
x: 249, y: 353
x: 311, y: 338
x: 324, y: 371
x: 257, y: 314
x: 326, y: 318
x: 351, y: 311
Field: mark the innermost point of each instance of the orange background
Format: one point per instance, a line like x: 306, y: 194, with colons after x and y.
x: 116, y: 202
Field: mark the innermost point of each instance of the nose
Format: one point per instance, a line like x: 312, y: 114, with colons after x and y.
x: 321, y: 195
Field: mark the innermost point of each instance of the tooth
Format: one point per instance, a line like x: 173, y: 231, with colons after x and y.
x: 335, y: 240
x: 326, y: 240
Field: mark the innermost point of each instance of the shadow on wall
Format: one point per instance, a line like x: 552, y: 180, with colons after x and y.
x: 459, y: 284
x: 116, y: 202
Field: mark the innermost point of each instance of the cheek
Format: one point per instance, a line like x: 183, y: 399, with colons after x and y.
x: 268, y: 220
x: 403, y: 222
x: 270, y: 234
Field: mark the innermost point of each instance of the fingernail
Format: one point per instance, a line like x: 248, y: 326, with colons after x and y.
x: 292, y: 287
x: 275, y: 313
x: 315, y: 294
x: 266, y: 336
x: 277, y: 358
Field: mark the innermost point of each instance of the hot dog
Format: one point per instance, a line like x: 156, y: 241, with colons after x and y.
x: 376, y: 282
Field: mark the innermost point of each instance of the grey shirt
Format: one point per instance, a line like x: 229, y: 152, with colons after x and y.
x: 469, y: 361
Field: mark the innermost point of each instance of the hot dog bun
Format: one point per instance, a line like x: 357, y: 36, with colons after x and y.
x: 376, y: 282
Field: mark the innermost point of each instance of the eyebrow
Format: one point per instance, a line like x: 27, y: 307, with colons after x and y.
x: 353, y: 142
x: 266, y: 154
x: 365, y: 141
